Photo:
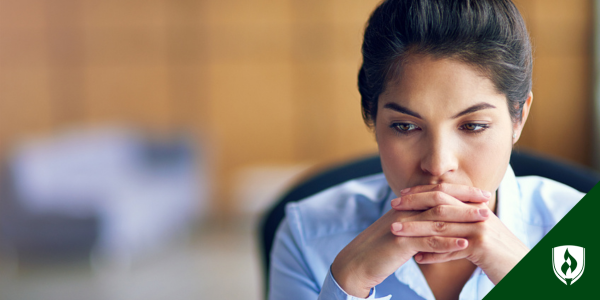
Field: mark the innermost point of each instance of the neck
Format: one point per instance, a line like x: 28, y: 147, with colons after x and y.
x: 446, y: 280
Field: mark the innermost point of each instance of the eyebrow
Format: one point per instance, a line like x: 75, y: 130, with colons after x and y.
x: 401, y: 109
x: 473, y: 109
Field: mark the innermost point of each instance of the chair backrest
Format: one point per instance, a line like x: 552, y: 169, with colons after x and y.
x: 523, y: 164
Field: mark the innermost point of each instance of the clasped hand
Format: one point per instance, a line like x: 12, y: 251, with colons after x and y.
x: 433, y: 223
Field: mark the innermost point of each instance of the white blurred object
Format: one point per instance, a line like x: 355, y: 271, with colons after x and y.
x: 144, y: 191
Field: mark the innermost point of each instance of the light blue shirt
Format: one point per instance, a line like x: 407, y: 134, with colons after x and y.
x: 316, y: 229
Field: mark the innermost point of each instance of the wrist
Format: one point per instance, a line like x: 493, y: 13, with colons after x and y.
x: 348, y: 280
x: 496, y: 272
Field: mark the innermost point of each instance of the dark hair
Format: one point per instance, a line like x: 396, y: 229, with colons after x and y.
x: 487, y: 34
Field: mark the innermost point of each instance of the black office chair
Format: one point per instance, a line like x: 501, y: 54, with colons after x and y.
x: 523, y: 164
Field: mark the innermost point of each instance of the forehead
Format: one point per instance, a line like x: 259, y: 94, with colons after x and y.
x: 426, y: 82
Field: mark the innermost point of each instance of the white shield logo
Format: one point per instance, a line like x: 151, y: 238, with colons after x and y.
x: 568, y: 263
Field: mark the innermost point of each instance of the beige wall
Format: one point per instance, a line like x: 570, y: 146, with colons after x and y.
x: 260, y: 81
x: 560, y: 122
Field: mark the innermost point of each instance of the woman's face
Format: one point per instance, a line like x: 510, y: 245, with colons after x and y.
x: 442, y: 121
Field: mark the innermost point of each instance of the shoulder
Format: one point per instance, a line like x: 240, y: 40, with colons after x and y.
x: 317, y: 228
x: 350, y: 206
x: 546, y: 201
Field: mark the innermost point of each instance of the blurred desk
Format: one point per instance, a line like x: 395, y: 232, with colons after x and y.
x: 219, y: 262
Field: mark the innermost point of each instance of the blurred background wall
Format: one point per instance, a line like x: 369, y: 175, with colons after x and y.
x: 263, y: 90
x: 259, y: 82
x: 560, y: 122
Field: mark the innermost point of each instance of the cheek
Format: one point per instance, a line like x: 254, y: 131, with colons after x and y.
x: 397, y: 160
x: 485, y: 161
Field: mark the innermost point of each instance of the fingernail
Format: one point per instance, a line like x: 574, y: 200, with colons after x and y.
x: 484, y: 212
x: 404, y: 191
x: 396, y: 226
x: 419, y: 257
x: 486, y: 194
x: 396, y: 202
x: 461, y: 243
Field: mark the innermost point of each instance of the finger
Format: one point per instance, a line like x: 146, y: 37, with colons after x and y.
x: 452, y: 213
x: 462, y: 192
x: 432, y: 258
x: 432, y: 229
x: 435, y: 244
x: 424, y: 201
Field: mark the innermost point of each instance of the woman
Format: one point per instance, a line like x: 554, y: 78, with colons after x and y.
x: 446, y: 87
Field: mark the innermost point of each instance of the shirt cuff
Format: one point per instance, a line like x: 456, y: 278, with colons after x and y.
x: 332, y: 288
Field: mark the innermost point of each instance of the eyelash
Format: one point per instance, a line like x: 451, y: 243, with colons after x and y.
x: 482, y: 127
x: 396, y: 127
x: 478, y: 128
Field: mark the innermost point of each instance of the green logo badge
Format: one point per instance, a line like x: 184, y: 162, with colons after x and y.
x: 568, y: 263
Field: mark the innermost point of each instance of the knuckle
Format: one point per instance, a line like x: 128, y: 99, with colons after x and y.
x: 474, y: 212
x: 481, y: 228
x: 439, y: 226
x: 439, y: 210
x: 408, y: 199
x: 473, y: 190
x: 479, y: 241
x: 433, y: 242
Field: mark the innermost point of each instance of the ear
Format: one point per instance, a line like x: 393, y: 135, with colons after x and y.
x: 518, y: 127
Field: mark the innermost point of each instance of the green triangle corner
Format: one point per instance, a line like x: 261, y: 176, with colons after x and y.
x: 533, y: 277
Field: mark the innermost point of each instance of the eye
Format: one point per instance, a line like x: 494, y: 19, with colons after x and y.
x: 474, y: 127
x: 404, y: 128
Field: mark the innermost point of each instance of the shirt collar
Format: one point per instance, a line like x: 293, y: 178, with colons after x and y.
x: 509, y: 206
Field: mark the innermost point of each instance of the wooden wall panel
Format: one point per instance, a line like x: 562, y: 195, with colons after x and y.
x: 23, y: 14
x: 260, y: 81
x: 121, y: 14
x: 25, y: 106
x: 351, y: 137
x: 136, y: 95
x: 255, y: 42
x: 23, y: 48
x: 187, y: 56
x: 246, y: 12
x: 326, y: 53
x: 560, y: 121
x: 250, y: 117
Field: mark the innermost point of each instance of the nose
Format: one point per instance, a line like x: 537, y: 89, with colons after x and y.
x: 440, y: 156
